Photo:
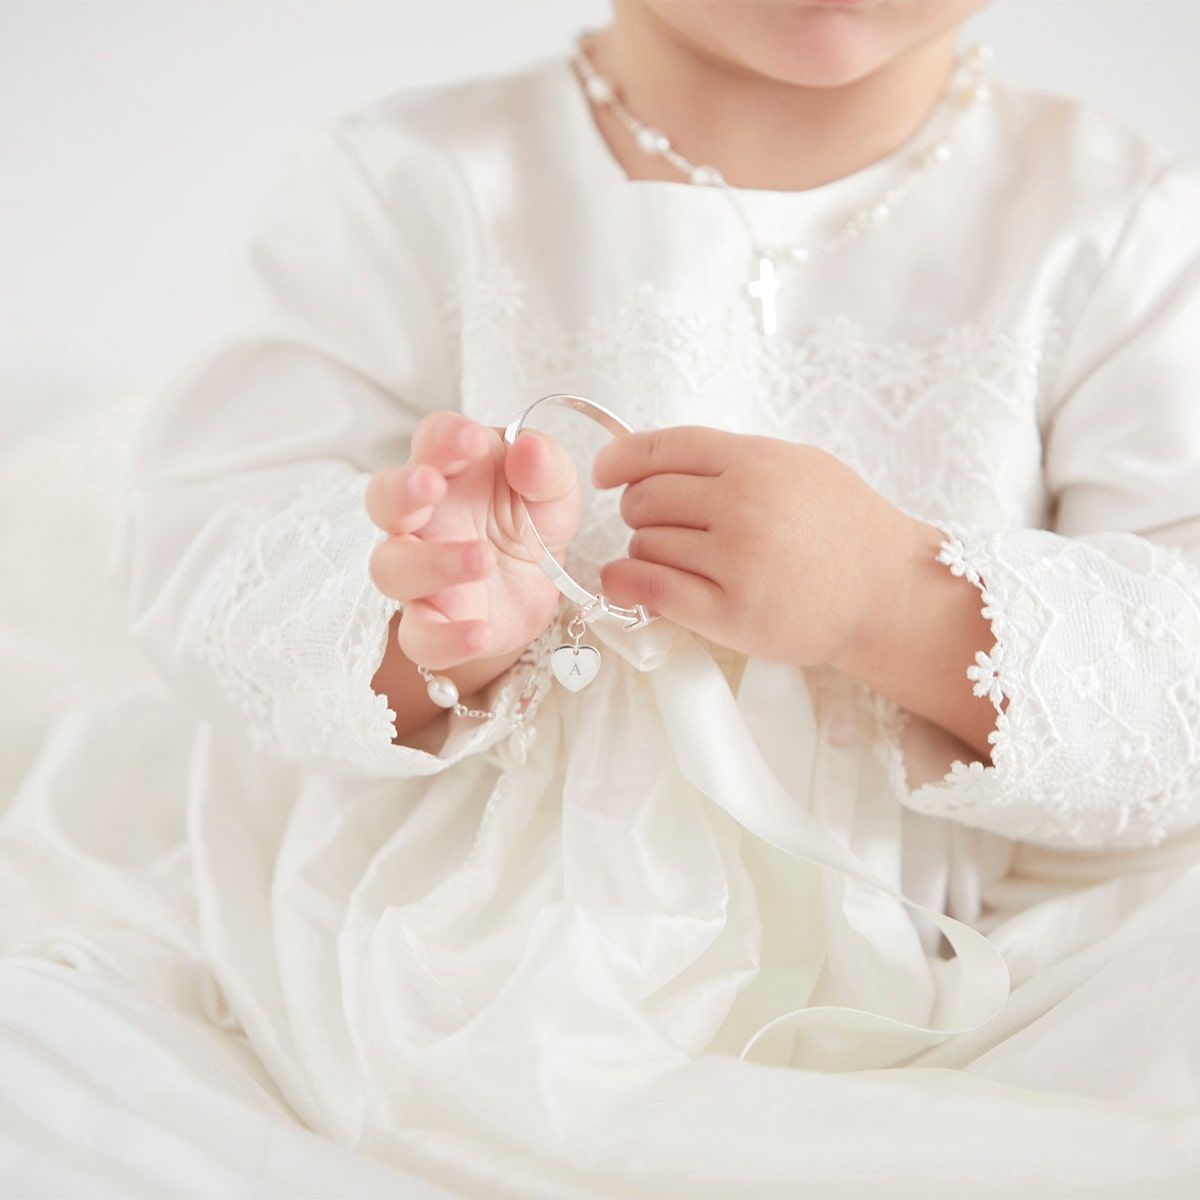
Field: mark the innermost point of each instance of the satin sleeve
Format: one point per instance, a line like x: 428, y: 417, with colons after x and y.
x: 1095, y: 668
x: 244, y: 542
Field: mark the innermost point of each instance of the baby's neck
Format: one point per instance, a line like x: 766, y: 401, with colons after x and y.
x: 757, y: 132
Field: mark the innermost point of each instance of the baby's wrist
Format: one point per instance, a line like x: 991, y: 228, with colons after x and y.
x: 882, y: 628
x: 472, y: 678
x: 464, y: 687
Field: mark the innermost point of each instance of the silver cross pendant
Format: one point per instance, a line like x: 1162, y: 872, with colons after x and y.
x: 763, y: 290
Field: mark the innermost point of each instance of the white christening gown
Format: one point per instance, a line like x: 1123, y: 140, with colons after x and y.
x: 720, y: 927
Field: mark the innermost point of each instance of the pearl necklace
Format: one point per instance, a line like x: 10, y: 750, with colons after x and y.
x: 974, y: 89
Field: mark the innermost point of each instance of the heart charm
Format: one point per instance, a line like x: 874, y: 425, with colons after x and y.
x: 575, y: 666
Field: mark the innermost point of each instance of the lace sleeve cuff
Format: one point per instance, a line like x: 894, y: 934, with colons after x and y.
x: 1094, y: 674
x: 293, y: 629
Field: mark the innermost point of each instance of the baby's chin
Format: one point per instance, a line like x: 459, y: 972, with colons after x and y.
x: 815, y: 43
x: 829, y: 43
x: 824, y: 54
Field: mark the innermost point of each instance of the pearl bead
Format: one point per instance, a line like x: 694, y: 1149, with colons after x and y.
x: 706, y: 176
x: 937, y: 154
x: 599, y: 89
x: 978, y: 55
x: 798, y: 253
x: 972, y: 93
x: 442, y: 691
x: 881, y: 212
x: 651, y: 140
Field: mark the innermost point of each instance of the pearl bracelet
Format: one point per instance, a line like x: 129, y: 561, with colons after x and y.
x: 534, y: 660
x: 443, y: 691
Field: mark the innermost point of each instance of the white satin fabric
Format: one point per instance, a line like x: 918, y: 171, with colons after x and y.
x: 702, y: 939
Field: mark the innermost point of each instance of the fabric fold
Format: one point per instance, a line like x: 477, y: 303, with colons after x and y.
x: 694, y: 697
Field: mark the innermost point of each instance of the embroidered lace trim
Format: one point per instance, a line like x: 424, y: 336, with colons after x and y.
x: 294, y: 629
x: 1097, y: 653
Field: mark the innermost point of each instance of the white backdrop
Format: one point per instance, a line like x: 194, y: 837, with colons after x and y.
x: 136, y: 134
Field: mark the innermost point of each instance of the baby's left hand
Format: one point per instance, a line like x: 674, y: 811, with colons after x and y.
x: 772, y: 548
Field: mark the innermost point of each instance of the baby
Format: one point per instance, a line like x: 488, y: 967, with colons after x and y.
x: 770, y: 548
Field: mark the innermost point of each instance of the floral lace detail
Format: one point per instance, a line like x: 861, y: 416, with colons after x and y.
x: 658, y: 362
x: 1084, y: 753
x: 294, y: 630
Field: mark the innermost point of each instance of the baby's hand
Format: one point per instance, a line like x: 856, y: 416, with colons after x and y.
x: 776, y: 549
x: 468, y: 584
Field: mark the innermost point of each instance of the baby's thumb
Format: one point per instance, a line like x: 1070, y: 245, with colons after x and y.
x: 539, y: 468
x: 543, y: 474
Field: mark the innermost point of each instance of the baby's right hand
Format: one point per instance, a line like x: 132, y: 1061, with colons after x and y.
x: 468, y: 584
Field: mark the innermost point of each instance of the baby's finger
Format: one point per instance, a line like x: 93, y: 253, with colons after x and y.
x: 406, y: 567
x: 450, y: 441
x: 693, y: 601
x: 540, y: 470
x: 538, y: 467
x: 426, y: 637
x: 400, y: 499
